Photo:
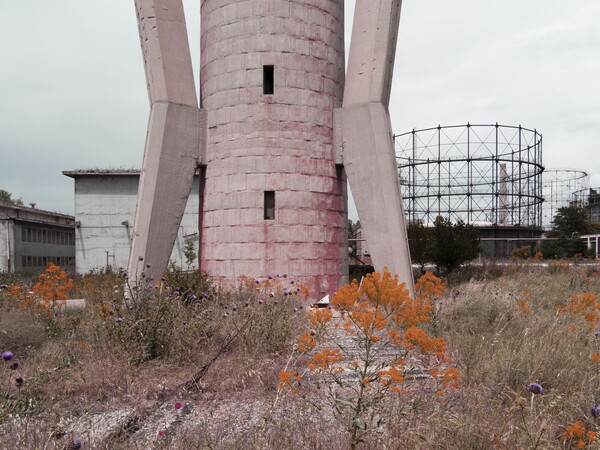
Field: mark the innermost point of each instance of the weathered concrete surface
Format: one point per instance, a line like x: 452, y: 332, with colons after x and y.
x: 376, y: 190
x: 166, y: 51
x: 176, y: 133
x: 364, y: 136
x: 372, y: 52
x: 281, y: 142
x: 165, y: 183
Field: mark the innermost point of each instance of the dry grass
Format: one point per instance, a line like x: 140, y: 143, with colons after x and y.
x: 85, y: 368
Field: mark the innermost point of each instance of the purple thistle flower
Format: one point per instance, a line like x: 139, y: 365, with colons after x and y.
x: 75, y: 444
x: 163, y: 279
x: 148, y: 266
x: 184, y: 323
x: 535, y: 388
x: 193, y: 297
x: 141, y: 258
x: 205, y: 295
x: 257, y: 281
x: 270, y: 277
x: 295, y: 309
x: 595, y: 410
x: 14, y: 365
x: 260, y: 302
x: 234, y: 308
x: 119, y: 319
x: 19, y: 381
x: 7, y: 356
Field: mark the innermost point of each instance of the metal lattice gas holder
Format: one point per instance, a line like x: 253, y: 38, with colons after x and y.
x: 480, y: 174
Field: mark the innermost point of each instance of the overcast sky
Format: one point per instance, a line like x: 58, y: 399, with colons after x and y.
x: 73, y: 96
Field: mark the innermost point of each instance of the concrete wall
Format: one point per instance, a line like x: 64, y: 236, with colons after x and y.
x: 5, y: 237
x: 105, y: 208
x: 280, y: 142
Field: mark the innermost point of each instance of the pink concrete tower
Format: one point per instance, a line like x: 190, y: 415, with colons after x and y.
x: 271, y: 74
x: 278, y: 128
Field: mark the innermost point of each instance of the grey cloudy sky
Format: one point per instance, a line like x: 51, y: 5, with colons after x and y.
x: 72, y: 88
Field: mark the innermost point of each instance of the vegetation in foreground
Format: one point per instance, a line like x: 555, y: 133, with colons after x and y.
x: 186, y: 363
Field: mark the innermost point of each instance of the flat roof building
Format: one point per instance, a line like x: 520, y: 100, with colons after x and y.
x: 105, y: 203
x: 30, y: 238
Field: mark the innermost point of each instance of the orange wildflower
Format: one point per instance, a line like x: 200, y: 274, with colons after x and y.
x: 287, y: 379
x: 579, y: 435
x: 325, y: 359
x: 417, y: 337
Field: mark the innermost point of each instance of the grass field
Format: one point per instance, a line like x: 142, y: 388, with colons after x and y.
x: 186, y: 363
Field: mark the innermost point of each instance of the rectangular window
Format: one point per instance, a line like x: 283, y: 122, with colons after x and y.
x: 269, y: 205
x: 268, y: 80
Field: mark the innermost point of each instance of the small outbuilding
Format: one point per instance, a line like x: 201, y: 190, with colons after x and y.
x: 105, y: 202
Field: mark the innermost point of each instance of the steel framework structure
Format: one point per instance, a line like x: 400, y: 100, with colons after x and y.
x: 563, y: 187
x: 480, y: 174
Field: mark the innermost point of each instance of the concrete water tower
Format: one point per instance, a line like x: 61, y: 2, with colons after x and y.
x: 279, y: 129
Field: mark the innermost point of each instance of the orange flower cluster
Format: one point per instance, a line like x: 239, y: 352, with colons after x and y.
x: 51, y: 288
x: 417, y: 337
x: 54, y: 284
x: 319, y: 317
x: 587, y: 305
x: 579, y: 435
x: 14, y: 290
x: 307, y: 342
x: 380, y: 313
x: 325, y: 360
x: 393, y: 376
x: 288, y: 378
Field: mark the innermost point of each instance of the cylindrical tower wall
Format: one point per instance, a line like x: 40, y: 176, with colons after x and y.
x: 271, y: 73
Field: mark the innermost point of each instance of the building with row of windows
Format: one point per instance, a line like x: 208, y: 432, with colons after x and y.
x: 30, y: 238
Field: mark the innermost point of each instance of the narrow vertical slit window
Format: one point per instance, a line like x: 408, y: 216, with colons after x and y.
x: 268, y: 80
x: 269, y: 205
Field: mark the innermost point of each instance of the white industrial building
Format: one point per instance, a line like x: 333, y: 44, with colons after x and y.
x: 105, y: 203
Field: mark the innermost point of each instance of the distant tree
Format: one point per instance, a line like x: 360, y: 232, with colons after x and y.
x: 569, y: 223
x: 353, y: 229
x: 6, y: 197
x: 522, y: 252
x: 191, y: 256
x: 447, y: 245
x: 420, y: 241
x: 453, y: 244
